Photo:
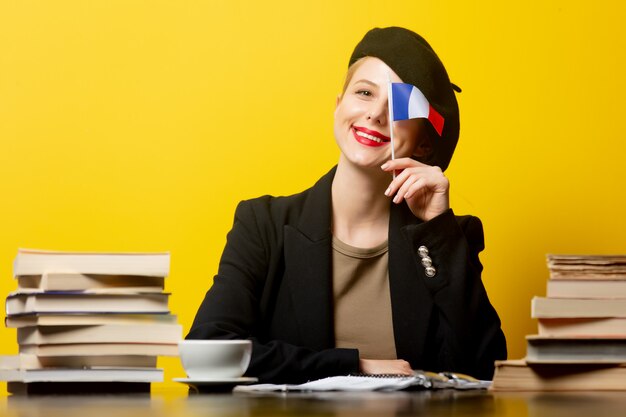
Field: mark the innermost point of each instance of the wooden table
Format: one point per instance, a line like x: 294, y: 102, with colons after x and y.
x: 432, y: 404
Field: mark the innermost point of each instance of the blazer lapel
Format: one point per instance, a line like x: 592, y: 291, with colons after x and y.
x: 308, y: 266
x: 410, y: 300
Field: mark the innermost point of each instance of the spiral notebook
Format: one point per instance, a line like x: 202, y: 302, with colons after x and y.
x: 419, y: 380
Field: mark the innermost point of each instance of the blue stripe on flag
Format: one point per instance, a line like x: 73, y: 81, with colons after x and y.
x: 401, y: 93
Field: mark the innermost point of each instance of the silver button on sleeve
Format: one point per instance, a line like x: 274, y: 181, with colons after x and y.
x: 427, y: 262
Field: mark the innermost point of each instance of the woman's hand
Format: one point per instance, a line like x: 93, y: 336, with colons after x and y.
x: 376, y: 366
x: 425, y: 188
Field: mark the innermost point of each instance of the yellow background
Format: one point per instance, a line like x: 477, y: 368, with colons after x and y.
x: 139, y: 125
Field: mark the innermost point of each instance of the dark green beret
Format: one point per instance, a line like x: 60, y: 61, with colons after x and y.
x: 415, y: 62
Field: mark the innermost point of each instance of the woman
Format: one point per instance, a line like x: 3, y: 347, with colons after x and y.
x: 363, y: 272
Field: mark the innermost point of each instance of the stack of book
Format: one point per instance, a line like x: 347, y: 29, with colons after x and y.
x: 581, y: 340
x: 94, y: 321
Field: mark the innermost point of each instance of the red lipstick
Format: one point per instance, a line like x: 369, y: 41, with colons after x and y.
x: 369, y: 137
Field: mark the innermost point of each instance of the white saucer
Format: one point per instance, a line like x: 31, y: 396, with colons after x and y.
x: 207, y: 382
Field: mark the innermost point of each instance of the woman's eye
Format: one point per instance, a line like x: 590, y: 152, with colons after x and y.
x: 366, y: 93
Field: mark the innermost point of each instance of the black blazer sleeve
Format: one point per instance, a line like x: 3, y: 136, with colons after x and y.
x: 240, y: 303
x: 464, y: 332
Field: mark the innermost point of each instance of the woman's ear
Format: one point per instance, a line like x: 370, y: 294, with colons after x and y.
x: 337, y: 103
x: 424, y: 146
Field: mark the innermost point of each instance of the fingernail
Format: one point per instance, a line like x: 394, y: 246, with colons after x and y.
x: 385, y: 165
x: 396, y: 199
x: 388, y: 192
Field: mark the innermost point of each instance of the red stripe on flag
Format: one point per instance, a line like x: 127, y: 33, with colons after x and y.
x: 435, y: 119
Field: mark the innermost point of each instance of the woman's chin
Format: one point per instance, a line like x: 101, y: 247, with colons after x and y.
x: 365, y: 161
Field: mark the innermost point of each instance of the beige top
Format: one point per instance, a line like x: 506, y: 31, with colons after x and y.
x: 362, y: 300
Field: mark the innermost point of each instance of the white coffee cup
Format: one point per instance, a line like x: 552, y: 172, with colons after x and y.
x: 215, y: 359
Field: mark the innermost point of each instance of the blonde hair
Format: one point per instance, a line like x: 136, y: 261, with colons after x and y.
x: 350, y: 73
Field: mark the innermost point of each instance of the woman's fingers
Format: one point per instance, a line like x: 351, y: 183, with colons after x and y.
x: 406, y: 186
x: 397, y: 182
x: 401, y: 163
x: 399, y: 186
x: 413, y: 188
x: 425, y: 188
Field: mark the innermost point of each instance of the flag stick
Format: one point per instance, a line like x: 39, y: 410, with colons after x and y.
x: 390, y: 107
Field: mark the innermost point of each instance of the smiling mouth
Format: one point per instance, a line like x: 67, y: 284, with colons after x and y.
x: 370, y: 139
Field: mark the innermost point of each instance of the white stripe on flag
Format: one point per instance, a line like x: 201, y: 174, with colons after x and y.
x: 418, y: 104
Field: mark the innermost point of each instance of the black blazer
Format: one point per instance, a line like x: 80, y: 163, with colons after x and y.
x: 274, y: 286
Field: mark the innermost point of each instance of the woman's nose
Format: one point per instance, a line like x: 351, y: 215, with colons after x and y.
x: 378, y: 112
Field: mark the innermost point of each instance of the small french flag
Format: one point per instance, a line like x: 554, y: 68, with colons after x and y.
x: 408, y: 102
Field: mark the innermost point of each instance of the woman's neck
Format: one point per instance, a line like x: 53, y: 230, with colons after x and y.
x: 360, y: 208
